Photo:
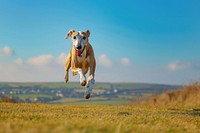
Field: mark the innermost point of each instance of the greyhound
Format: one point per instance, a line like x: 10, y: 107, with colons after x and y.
x: 80, y: 59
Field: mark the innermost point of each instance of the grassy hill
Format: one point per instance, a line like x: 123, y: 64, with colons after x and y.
x: 72, y: 93
x: 187, y: 96
x: 166, y: 116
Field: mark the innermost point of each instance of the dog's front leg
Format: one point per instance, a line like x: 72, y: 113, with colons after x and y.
x: 89, y: 86
x: 67, y: 67
x: 82, y: 77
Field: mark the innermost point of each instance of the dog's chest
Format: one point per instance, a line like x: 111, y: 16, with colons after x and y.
x: 82, y: 59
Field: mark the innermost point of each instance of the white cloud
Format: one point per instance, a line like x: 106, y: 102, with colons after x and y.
x: 61, y: 59
x: 7, y: 51
x: 177, y: 65
x: 125, y: 62
x: 41, y: 68
x: 42, y: 60
x: 47, y: 61
x: 19, y: 61
x: 105, y: 61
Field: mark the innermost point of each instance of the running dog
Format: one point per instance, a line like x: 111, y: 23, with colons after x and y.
x: 80, y: 59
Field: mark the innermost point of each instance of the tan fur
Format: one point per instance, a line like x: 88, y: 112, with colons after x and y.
x: 85, y: 62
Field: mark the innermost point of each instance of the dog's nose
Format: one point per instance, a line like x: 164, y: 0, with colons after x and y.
x: 79, y: 47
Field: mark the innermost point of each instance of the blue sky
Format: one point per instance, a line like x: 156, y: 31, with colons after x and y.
x: 134, y: 41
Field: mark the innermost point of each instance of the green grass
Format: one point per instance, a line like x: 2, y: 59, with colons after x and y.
x: 94, y: 101
x: 43, y: 84
x: 53, y: 84
x: 98, y: 85
x: 43, y: 118
x: 32, y: 96
x: 101, y: 102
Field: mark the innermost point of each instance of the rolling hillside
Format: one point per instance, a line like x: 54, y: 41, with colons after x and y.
x: 72, y: 93
x: 85, y: 118
x: 187, y: 96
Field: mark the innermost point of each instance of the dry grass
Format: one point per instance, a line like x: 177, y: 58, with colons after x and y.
x: 187, y: 96
x: 7, y: 99
x: 41, y: 118
x: 184, y: 116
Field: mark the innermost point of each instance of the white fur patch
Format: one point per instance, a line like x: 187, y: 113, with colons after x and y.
x: 82, y: 76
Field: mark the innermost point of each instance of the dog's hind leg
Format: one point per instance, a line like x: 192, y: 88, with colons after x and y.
x: 89, y: 87
x: 90, y: 80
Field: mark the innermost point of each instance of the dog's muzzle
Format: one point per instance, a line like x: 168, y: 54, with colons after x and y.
x: 79, y: 47
x: 79, y: 51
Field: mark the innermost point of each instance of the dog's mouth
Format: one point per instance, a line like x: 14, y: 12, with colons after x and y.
x: 78, y: 52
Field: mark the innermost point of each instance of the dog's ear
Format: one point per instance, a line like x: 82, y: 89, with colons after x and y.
x: 87, y: 33
x: 69, y: 33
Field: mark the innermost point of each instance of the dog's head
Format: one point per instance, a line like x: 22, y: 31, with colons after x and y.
x: 79, y: 40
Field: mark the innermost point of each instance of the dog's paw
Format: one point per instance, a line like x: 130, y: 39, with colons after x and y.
x: 66, y: 78
x: 87, y: 96
x: 83, y: 83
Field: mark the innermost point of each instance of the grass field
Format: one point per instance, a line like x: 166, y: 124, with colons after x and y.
x: 30, y: 96
x: 43, y: 118
x: 53, y: 84
x: 172, y: 112
x: 94, y: 101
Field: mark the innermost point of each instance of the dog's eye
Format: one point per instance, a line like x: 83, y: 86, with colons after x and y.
x: 74, y: 37
x: 84, y: 38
